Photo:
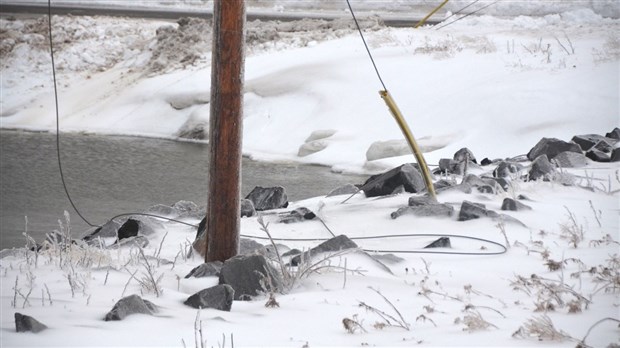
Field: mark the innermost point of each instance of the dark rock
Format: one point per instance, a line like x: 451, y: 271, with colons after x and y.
x: 268, y: 198
x: 207, y: 269
x: 511, y: 204
x: 443, y: 242
x: 297, y: 215
x: 132, y: 304
x: 598, y: 156
x: 604, y: 146
x: 246, y: 275
x: 218, y: 297
x: 569, y: 159
x: 384, y: 184
x: 482, y: 185
x: 542, y: 169
x: 551, y: 147
x: 347, y: 189
x: 439, y: 209
x: 507, y: 169
x: 249, y: 246
x: 442, y: 185
x: 584, y: 142
x: 486, y: 161
x: 334, y: 244
x: 247, y: 208
x: 128, y: 229
x: 108, y: 230
x: 434, y: 209
x: 25, y: 323
x: 503, y: 183
x: 470, y: 211
x: 420, y: 200
x: 486, y: 189
x: 614, y: 134
x: 464, y: 154
x: 337, y: 243
x: 523, y: 198
x: 450, y: 166
x: 615, y: 155
x: 589, y: 141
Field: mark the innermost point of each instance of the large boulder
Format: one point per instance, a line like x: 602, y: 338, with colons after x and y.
x: 450, y: 166
x: 470, y: 211
x: 408, y: 175
x: 588, y: 141
x: 129, y: 305
x: 551, y: 147
x: 218, y: 297
x: 463, y: 154
x: 267, y: 198
x: 507, y: 170
x: 25, y: 323
x: 615, y: 155
x: 542, y: 169
x: 570, y: 159
x: 514, y: 205
x: 614, y: 134
x: 598, y: 155
x: 247, y: 275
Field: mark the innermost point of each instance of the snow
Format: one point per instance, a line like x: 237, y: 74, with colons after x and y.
x: 494, y: 85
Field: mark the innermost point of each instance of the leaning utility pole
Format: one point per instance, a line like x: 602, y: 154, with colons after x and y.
x: 225, y: 130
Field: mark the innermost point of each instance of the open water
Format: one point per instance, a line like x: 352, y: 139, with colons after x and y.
x: 110, y: 175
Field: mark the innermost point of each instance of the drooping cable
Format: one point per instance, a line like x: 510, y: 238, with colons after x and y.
x: 62, y: 176
x: 366, y: 45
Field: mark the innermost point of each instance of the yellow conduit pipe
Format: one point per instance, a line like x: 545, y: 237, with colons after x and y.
x: 412, y: 143
x: 430, y: 14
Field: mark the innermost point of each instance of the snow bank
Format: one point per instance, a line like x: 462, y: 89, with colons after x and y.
x: 494, y: 85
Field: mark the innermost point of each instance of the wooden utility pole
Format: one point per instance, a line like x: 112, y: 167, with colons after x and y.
x: 225, y: 130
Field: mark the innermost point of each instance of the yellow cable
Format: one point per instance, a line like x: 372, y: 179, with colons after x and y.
x: 412, y: 143
x: 430, y: 14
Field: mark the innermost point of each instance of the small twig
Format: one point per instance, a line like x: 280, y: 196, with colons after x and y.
x: 583, y: 340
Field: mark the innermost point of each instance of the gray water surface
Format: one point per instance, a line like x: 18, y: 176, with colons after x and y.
x: 111, y: 175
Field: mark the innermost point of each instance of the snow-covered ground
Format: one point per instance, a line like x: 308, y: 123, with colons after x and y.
x: 494, y: 85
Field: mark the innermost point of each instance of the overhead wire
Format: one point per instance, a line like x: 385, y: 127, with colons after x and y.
x: 359, y: 29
